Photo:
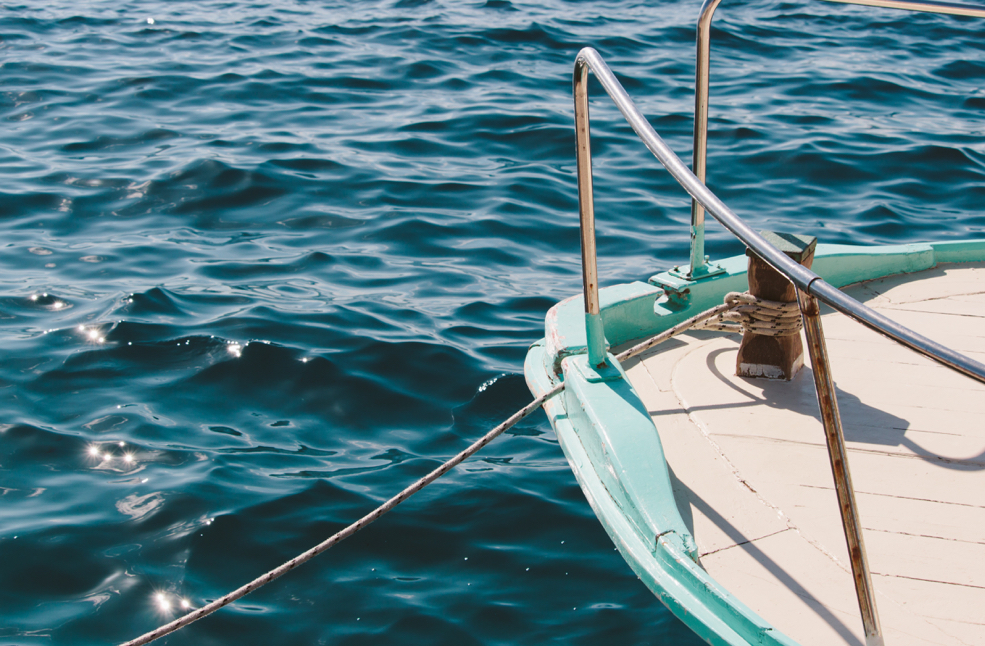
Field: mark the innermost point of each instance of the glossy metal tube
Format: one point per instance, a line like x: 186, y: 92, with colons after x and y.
x: 838, y: 456
x: 594, y: 334
x: 928, y: 7
x: 699, y: 156
x: 801, y: 277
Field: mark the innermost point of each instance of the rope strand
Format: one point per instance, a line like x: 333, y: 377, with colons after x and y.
x: 752, y: 314
x: 348, y: 531
x: 740, y: 311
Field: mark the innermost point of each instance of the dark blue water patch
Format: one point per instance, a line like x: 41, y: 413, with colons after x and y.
x: 16, y: 206
x: 104, y: 143
x: 225, y: 188
x: 869, y: 90
x: 34, y: 305
x: 499, y: 5
x: 35, y: 569
x: 163, y: 304
x: 279, y: 382
x: 962, y: 70
x: 314, y: 242
x: 488, y: 407
x: 41, y: 448
x: 313, y: 262
x: 310, y: 167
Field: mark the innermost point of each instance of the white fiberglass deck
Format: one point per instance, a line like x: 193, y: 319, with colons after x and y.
x: 752, y: 478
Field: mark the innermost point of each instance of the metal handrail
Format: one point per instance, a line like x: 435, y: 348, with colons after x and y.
x: 802, y: 277
x: 834, y: 437
x: 699, y: 159
x: 810, y: 289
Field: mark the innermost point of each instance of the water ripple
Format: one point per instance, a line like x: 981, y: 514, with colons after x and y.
x: 263, y: 266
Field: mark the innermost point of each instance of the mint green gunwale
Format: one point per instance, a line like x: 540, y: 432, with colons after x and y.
x: 648, y: 531
x: 636, y: 310
x: 613, y: 447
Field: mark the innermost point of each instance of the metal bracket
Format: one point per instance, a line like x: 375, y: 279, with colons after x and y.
x: 596, y: 374
x: 676, y: 289
x: 706, y: 270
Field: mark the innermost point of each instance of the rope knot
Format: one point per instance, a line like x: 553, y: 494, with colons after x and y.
x: 748, y: 313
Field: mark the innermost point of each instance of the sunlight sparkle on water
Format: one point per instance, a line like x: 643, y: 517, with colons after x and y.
x: 105, y: 454
x: 92, y: 334
x: 162, y: 602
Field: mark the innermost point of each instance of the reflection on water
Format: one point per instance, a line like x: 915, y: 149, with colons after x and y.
x: 137, y: 506
x: 291, y: 255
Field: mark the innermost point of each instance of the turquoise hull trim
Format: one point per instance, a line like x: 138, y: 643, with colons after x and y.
x: 618, y: 460
x: 637, y: 310
x: 614, y: 449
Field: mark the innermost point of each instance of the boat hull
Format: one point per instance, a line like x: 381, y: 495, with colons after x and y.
x: 615, y: 450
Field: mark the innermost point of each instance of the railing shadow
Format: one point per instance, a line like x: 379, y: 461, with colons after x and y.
x: 863, y: 423
x: 686, y: 497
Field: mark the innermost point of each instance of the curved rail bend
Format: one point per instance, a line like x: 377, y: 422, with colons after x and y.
x: 803, y: 278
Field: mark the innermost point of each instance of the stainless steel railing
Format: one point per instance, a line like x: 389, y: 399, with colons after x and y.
x: 815, y: 337
x: 803, y: 278
x: 811, y: 289
x: 701, y: 72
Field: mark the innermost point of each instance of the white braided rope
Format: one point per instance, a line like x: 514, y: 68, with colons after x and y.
x: 739, y: 311
x: 749, y: 313
x: 277, y: 572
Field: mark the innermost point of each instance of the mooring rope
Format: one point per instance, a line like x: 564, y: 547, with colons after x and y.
x: 714, y: 318
x: 681, y: 327
x: 277, y: 572
x: 753, y: 314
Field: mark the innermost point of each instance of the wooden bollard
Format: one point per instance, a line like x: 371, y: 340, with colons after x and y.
x: 774, y: 357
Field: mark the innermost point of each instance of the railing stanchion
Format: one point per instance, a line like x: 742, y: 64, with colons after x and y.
x: 699, y: 154
x: 835, y: 437
x: 594, y: 334
x: 810, y: 289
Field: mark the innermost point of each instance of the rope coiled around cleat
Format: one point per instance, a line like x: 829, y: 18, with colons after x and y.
x: 748, y: 313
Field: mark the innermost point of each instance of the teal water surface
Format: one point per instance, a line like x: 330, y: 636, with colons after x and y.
x: 264, y: 264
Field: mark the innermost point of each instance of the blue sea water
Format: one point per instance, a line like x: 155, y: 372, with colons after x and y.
x: 264, y: 264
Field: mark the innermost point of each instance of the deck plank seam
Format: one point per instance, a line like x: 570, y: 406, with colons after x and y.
x: 857, y: 449
x: 886, y: 495
x: 939, y: 538
x: 916, y: 578
x: 746, y: 542
x: 784, y: 518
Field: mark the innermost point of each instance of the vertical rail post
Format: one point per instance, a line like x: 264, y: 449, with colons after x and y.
x: 835, y: 437
x: 594, y: 334
x: 699, y: 155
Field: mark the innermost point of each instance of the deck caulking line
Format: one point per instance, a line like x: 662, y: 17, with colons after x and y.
x: 686, y: 408
x: 751, y: 540
x: 886, y: 495
x: 856, y: 449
